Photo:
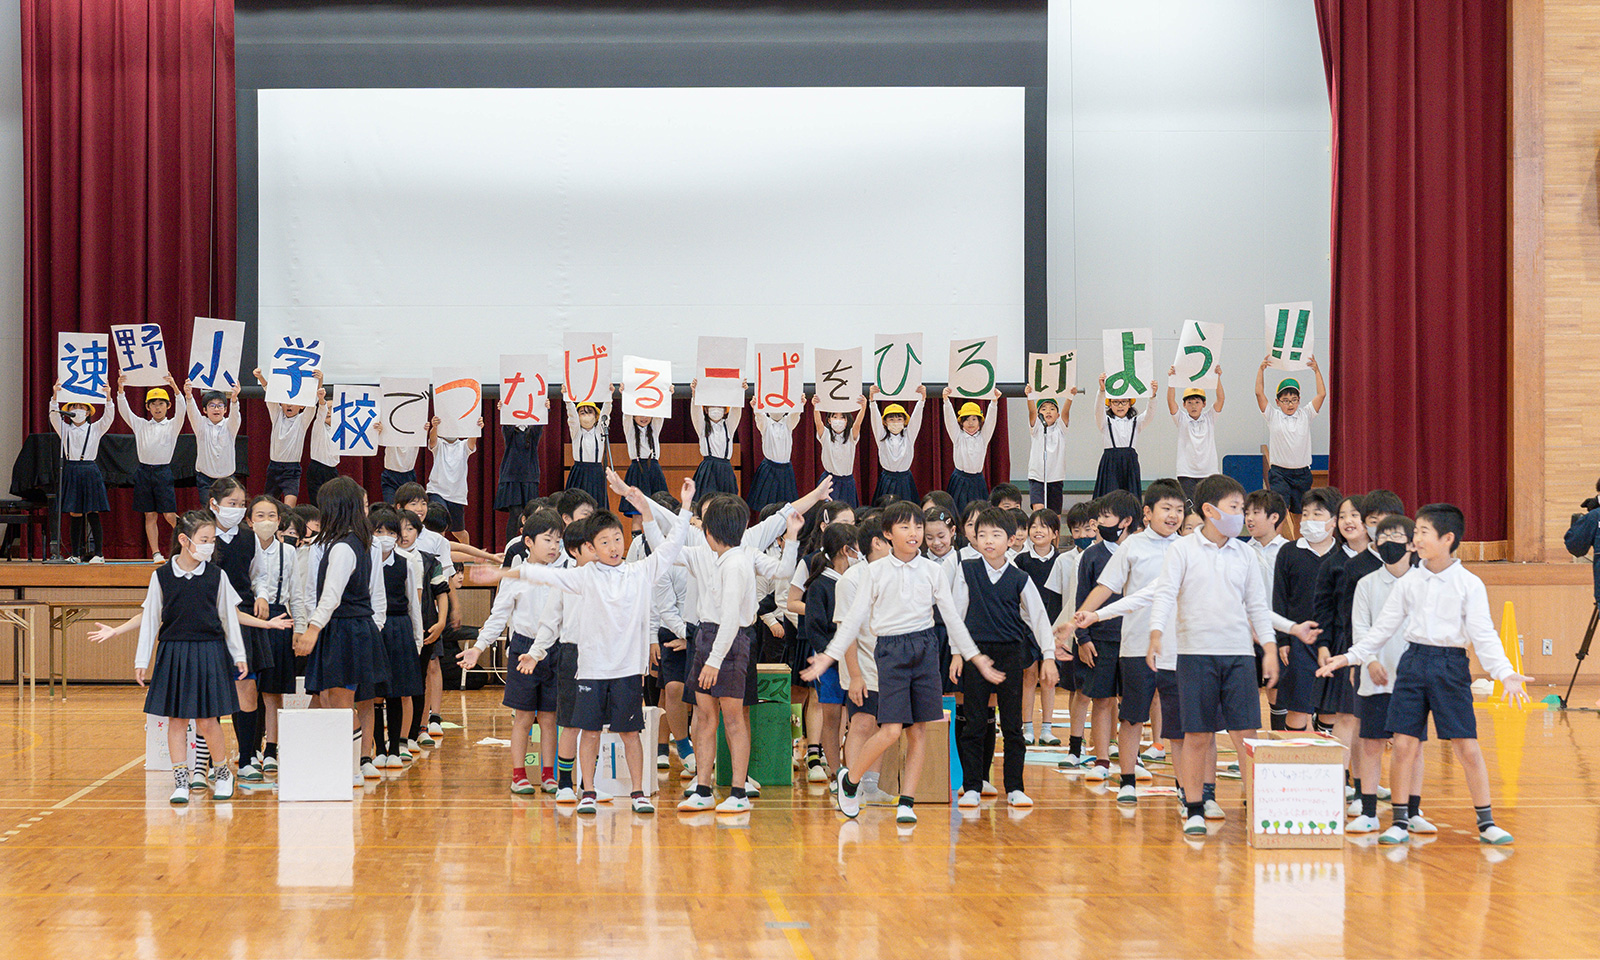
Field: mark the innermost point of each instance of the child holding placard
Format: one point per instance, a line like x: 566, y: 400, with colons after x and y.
x: 643, y: 439
x: 1197, y: 432
x: 519, y: 473
x: 1289, y: 434
x: 1047, y: 451
x: 715, y: 426
x: 970, y: 432
x: 215, y: 422
x: 83, y: 489
x: 324, y: 464
x: 590, y: 427
x: 154, y: 439
x: 447, y: 482
x: 287, y: 444
x: 896, y: 434
x: 837, y: 436
x: 1120, y: 427
x: 775, y: 481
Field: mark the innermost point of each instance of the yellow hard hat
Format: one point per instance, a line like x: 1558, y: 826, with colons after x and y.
x: 590, y: 404
x: 969, y: 409
x: 1194, y: 392
x: 895, y: 408
x: 157, y: 393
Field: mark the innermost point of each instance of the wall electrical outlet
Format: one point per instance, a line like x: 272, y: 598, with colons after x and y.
x: 1549, y: 647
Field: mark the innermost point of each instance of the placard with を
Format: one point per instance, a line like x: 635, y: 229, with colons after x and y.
x: 838, y: 380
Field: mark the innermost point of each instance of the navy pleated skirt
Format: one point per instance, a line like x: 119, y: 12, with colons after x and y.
x: 897, y: 482
x: 589, y: 477
x: 192, y: 680
x: 83, y: 488
x: 714, y: 475
x: 774, y: 483
x: 966, y: 487
x: 349, y: 653
x: 1119, y: 470
x: 400, y: 649
x: 844, y: 489
x: 647, y: 476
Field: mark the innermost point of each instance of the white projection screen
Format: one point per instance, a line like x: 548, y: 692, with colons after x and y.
x: 415, y: 228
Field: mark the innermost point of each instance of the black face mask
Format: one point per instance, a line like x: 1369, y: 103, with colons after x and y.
x: 1110, y: 534
x: 1391, y: 552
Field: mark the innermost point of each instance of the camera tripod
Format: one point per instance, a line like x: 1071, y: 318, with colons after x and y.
x: 1583, y: 651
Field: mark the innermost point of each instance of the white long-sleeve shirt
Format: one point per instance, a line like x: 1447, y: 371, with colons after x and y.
x: 213, y: 442
x: 323, y: 449
x: 1214, y: 596
x: 272, y: 568
x: 413, y: 588
x: 899, y: 598
x: 844, y: 595
x: 777, y: 435
x: 1064, y: 580
x: 1033, y: 612
x: 1136, y: 564
x: 756, y: 538
x: 613, y: 604
x: 150, y: 615
x: 642, y: 440
x: 81, y: 441
x: 896, y: 450
x: 154, y: 439
x: 589, y: 446
x: 520, y: 605
x: 968, y: 451
x: 1446, y: 609
x: 717, y: 439
x: 1047, y: 451
x: 728, y: 588
x: 1372, y: 592
x: 288, y: 440
x: 838, y: 456
x: 1268, y: 552
x: 666, y: 611
x: 341, y: 564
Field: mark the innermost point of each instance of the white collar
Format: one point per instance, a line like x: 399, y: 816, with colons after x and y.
x: 896, y: 561
x: 182, y: 574
x: 1034, y: 554
x: 1445, y: 574
x: 831, y: 573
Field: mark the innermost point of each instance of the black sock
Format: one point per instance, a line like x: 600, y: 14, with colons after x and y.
x: 736, y: 792
x: 1400, y: 812
x: 1075, y: 746
x: 906, y: 801
x: 1369, y: 805
x: 97, y: 535
x: 702, y: 789
x: 661, y: 749
x: 1196, y: 809
x: 589, y: 795
x: 1292, y: 729
x: 75, y: 537
x: 365, y: 761
x: 1128, y: 780
x: 1485, y: 817
x: 270, y: 750
x: 850, y: 786
x: 1414, y: 805
x: 241, y: 733
x: 418, y: 708
x: 1279, y: 718
x: 564, y: 772
x: 1208, y: 792
x: 393, y: 711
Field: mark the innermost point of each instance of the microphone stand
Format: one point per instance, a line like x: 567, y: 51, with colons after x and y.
x: 54, y: 497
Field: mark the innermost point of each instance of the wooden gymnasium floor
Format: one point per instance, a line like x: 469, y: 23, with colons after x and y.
x: 442, y: 862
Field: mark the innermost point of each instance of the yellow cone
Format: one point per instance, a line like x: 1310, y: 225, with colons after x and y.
x: 1508, y: 642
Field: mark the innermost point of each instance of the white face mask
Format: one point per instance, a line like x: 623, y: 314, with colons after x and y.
x: 1230, y: 525
x: 1372, y: 531
x: 229, y: 517
x: 76, y: 415
x: 1315, y: 531
x: 202, y: 551
x: 386, y: 544
x: 856, y: 558
x: 265, y: 529
x: 838, y: 424
x: 716, y: 414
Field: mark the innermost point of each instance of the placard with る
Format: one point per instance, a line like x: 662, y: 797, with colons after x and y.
x: 457, y: 402
x: 1128, y: 364
x: 1291, y: 337
x: 1195, y: 363
x: 646, y: 387
x: 403, y: 411
x: 586, y: 367
x: 141, y: 353
x: 838, y: 380
x: 780, y: 380
x: 897, y: 366
x: 524, y: 389
x: 1053, y: 375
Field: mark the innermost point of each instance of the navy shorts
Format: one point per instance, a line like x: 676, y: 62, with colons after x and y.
x: 1218, y: 693
x: 566, y: 657
x: 673, y: 663
x: 1046, y: 492
x: 1298, y: 688
x: 283, y: 479
x: 152, y: 489
x: 1290, y: 483
x: 1171, y: 703
x: 1139, y: 686
x: 1373, y: 710
x: 1103, y: 680
x: 393, y: 480
x: 829, y: 688
x: 869, y: 706
x: 1433, y: 680
x: 909, y: 689
x: 617, y: 703
x: 733, y: 675
x: 457, y: 511
x: 1067, y: 677
x: 534, y: 691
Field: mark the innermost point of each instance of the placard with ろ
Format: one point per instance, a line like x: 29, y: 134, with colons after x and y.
x: 1291, y: 335
x: 355, y: 420
x: 1195, y: 362
x: 646, y: 387
x: 838, y: 380
x: 719, y: 370
x: 524, y: 389
x: 1128, y: 364
x: 780, y: 378
x: 972, y: 366
x: 403, y: 411
x: 215, y: 349
x: 586, y: 367
x: 83, y: 367
x: 1053, y: 375
x: 457, y: 402
x: 141, y: 353
x: 897, y: 365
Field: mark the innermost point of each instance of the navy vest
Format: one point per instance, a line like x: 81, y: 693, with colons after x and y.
x: 189, y: 605
x: 994, y: 610
x: 357, y: 598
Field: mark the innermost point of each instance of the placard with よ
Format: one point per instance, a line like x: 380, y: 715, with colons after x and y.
x: 141, y: 353
x: 1291, y: 336
x: 586, y: 367
x: 355, y: 420
x: 719, y: 368
x: 524, y: 388
x: 897, y: 365
x: 1128, y: 364
x: 1053, y: 374
x: 83, y: 367
x: 457, y: 402
x: 780, y: 379
x: 1195, y: 362
x: 838, y: 380
x: 403, y: 411
x: 215, y: 348
x: 646, y: 387
x: 972, y: 366
x: 292, y: 371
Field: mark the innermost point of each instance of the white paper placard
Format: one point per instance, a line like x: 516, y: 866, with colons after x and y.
x: 646, y: 387
x: 314, y: 761
x: 897, y: 365
x: 719, y: 368
x: 611, y: 770
x: 586, y: 367
x: 141, y: 351
x: 972, y: 363
x: 1297, y: 798
x: 157, y: 755
x: 215, y: 348
x: 403, y: 411
x: 292, y: 371
x: 1128, y: 364
x: 838, y: 380
x: 1291, y: 335
x: 355, y: 420
x: 457, y: 402
x: 83, y: 367
x: 1053, y: 374
x: 524, y: 388
x: 780, y: 378
x: 1195, y: 362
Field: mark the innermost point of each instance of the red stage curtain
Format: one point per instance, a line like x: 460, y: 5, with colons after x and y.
x: 129, y: 175
x: 1418, y: 365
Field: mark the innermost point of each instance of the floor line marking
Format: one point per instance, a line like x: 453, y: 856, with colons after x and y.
x: 797, y: 943
x: 99, y: 783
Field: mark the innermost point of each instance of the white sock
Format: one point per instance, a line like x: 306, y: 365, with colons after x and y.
x: 870, y: 779
x: 1027, y: 729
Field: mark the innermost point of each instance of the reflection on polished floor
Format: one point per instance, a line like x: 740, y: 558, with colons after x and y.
x: 441, y: 862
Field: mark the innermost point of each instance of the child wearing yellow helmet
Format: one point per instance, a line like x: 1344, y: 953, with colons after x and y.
x: 895, y: 432
x: 969, y: 430
x: 1197, y: 432
x: 154, y: 438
